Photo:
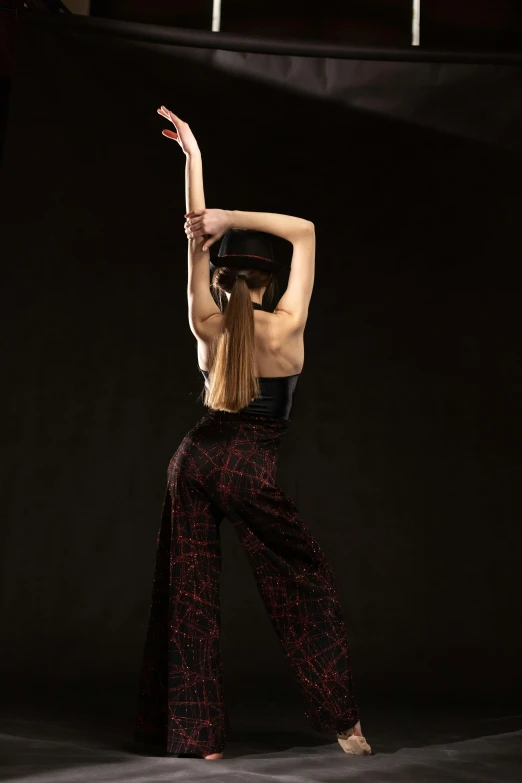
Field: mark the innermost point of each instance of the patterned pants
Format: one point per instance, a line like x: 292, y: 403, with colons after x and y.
x: 225, y: 466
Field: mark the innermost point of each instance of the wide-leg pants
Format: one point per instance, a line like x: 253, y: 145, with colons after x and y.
x: 225, y: 466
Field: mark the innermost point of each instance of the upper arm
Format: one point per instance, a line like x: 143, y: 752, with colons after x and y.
x: 296, y: 299
x: 201, y: 304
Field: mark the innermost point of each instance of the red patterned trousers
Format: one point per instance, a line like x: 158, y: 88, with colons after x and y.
x: 225, y: 466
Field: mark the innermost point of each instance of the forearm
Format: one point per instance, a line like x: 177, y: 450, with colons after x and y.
x: 285, y: 226
x: 194, y: 191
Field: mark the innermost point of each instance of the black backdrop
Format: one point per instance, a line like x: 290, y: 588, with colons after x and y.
x: 404, y: 449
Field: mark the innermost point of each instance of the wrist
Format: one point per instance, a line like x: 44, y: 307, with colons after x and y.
x: 229, y: 217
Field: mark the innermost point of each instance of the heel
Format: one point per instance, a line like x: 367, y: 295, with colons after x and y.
x: 352, y: 743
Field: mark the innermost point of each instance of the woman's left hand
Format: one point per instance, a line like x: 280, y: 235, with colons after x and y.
x: 182, y: 134
x: 205, y: 222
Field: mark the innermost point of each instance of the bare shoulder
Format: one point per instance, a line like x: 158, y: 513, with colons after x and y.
x: 284, y: 327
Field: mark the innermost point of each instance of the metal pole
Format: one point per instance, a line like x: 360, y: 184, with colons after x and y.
x: 415, y: 23
x: 216, y: 15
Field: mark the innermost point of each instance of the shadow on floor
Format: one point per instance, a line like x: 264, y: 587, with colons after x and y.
x: 409, y: 745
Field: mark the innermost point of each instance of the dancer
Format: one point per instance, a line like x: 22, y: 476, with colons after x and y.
x: 250, y: 357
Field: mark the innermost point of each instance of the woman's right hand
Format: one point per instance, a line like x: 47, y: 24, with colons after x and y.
x: 202, y: 222
x: 182, y: 133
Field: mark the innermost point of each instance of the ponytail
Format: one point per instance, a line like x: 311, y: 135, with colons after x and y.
x: 232, y: 379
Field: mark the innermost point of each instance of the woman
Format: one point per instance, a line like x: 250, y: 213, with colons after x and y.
x: 225, y: 466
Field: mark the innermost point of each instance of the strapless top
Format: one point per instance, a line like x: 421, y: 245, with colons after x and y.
x: 276, y: 396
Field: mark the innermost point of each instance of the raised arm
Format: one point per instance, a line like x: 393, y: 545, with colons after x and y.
x: 201, y: 305
x: 296, y: 299
x: 285, y: 226
x: 294, y: 303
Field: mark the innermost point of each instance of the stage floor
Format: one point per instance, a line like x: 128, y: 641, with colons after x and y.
x: 410, y: 745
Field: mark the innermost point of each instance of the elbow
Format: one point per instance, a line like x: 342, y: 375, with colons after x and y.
x: 305, y: 228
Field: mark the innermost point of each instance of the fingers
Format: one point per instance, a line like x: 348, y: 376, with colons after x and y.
x: 169, y: 115
x: 194, y: 230
x: 194, y: 221
x: 175, y: 118
x: 194, y: 224
x: 194, y: 233
x: 190, y: 231
x: 165, y: 113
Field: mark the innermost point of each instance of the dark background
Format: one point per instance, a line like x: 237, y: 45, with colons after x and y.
x: 404, y: 449
x: 476, y: 24
x: 464, y: 26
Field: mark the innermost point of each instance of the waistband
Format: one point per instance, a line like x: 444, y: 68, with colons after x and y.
x: 254, y: 419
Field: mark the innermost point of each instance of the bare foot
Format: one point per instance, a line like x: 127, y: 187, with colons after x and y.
x: 214, y: 756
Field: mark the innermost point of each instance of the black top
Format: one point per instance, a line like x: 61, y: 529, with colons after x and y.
x: 276, y: 392
x: 276, y: 396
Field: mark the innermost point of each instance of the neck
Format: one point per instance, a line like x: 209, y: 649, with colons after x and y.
x: 255, y: 299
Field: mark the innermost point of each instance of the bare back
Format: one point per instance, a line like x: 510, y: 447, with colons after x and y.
x: 279, y: 336
x: 279, y: 347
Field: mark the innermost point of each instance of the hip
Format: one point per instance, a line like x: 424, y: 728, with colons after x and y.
x: 235, y: 442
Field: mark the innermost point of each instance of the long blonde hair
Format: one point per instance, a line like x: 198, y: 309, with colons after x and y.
x: 232, y: 382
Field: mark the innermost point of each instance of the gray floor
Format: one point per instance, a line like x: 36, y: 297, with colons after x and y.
x: 409, y: 745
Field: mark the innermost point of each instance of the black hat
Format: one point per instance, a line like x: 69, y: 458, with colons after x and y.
x: 245, y: 249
